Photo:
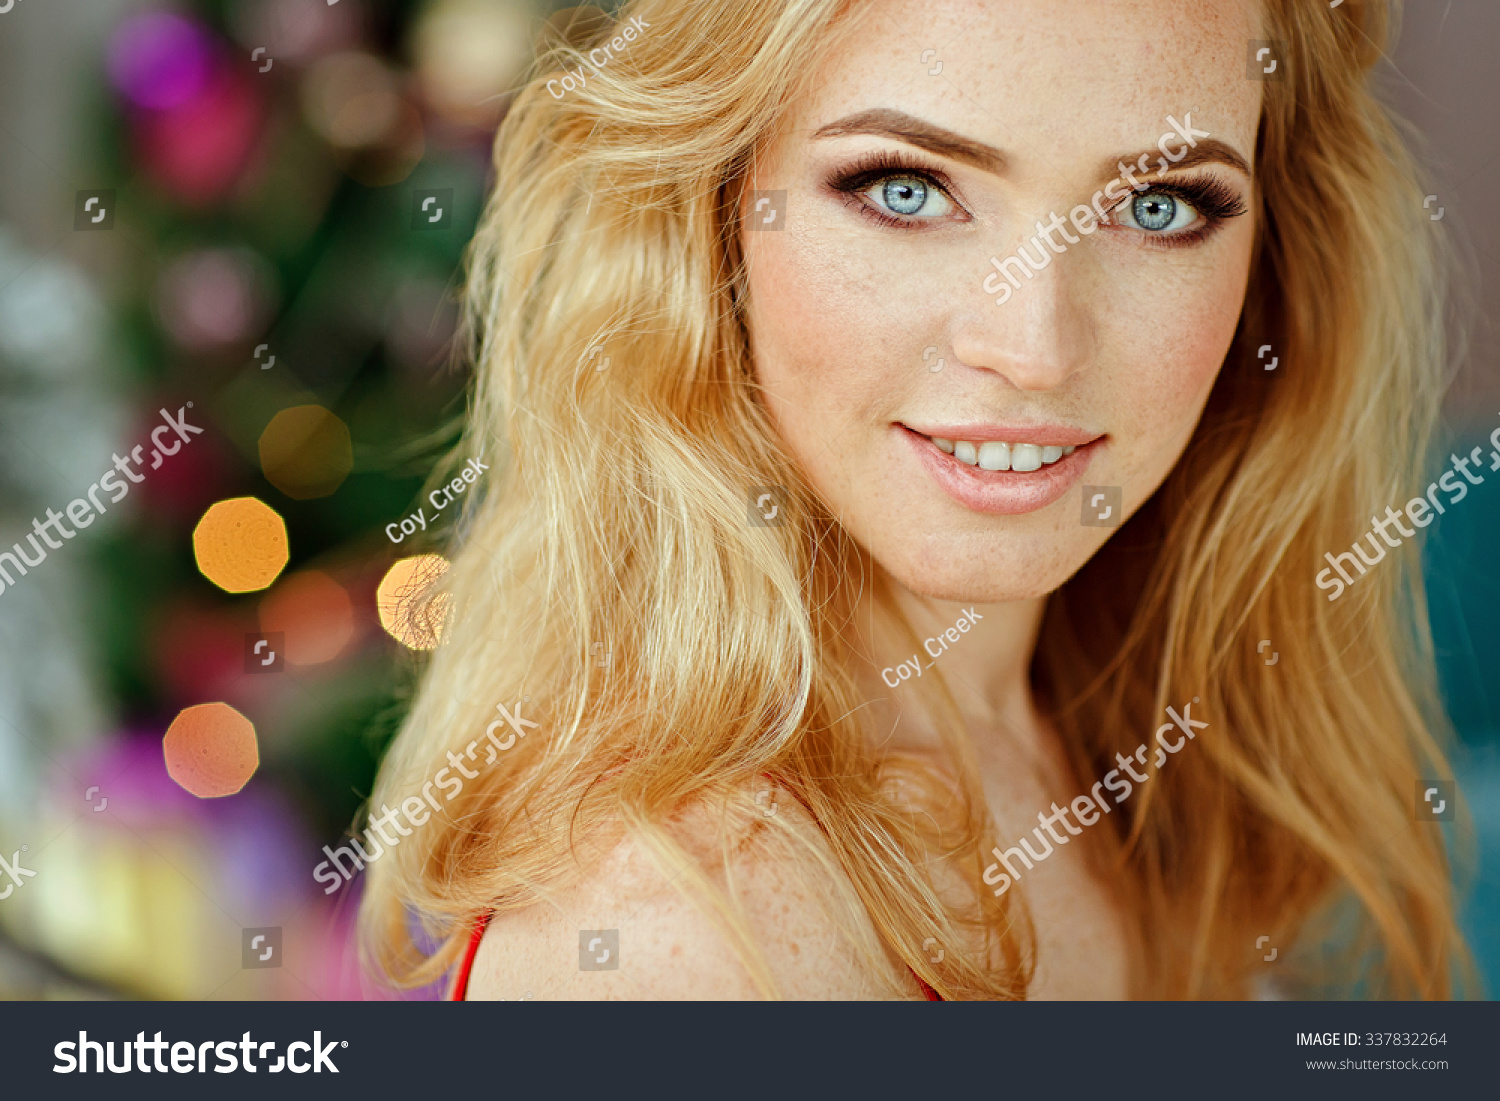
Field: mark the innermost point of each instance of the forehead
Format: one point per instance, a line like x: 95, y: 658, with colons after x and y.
x: 1046, y: 80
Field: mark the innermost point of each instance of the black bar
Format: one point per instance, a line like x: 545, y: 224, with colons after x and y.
x: 411, y: 1049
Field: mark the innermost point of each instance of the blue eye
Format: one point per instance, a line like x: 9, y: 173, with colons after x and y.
x: 1157, y: 212
x: 904, y: 196
x: 910, y: 197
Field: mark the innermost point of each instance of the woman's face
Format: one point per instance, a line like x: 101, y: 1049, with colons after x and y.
x: 889, y: 306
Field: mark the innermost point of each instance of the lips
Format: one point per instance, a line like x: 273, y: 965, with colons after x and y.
x: 1000, y: 469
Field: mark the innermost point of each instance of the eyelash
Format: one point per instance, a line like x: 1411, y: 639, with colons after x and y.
x: 875, y: 168
x: 1214, y: 200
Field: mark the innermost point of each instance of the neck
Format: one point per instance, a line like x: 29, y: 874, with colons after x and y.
x: 982, y: 652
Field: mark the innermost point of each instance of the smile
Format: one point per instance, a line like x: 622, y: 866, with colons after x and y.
x: 1003, y: 470
x: 997, y: 455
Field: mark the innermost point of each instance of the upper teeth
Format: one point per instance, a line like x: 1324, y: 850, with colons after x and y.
x: 993, y: 455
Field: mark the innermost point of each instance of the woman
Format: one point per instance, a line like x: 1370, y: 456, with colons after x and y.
x: 826, y: 346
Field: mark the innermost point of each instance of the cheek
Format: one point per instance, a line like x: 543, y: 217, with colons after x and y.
x: 1171, y: 343
x: 828, y: 330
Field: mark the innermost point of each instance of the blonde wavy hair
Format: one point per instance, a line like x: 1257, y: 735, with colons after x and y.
x: 616, y: 402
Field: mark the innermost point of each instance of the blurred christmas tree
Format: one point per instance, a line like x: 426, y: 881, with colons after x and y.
x: 295, y: 201
x: 264, y: 227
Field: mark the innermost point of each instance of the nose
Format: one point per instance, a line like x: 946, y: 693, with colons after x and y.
x: 1031, y: 320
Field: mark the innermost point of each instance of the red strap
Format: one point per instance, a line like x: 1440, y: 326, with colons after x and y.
x: 461, y: 984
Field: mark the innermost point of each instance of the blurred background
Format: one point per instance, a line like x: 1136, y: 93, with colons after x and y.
x: 251, y: 214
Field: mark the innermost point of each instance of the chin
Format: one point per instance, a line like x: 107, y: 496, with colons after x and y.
x: 988, y: 575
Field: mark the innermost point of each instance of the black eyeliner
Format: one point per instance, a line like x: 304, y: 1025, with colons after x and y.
x: 850, y: 182
x: 1215, y: 201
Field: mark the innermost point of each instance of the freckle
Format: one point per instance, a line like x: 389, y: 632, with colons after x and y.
x: 796, y: 951
x: 676, y: 949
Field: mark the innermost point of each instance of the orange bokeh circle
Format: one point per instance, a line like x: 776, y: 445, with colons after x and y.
x: 306, y: 452
x: 409, y: 618
x: 210, y: 750
x: 241, y: 545
x: 314, y: 613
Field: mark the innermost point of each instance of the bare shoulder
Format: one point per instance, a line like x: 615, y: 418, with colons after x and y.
x: 627, y: 930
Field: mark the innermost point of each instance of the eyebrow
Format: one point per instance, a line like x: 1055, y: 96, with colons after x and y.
x: 889, y: 123
x: 1204, y: 151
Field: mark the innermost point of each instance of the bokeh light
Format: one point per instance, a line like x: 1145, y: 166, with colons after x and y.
x: 352, y: 99
x: 241, y: 545
x: 469, y: 53
x: 52, y: 319
x: 406, y: 613
x: 315, y: 614
x: 301, y: 31
x: 210, y: 750
x: 197, y: 116
x: 159, y: 60
x: 356, y: 103
x: 210, y: 298
x: 306, y: 452
x: 201, y: 150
